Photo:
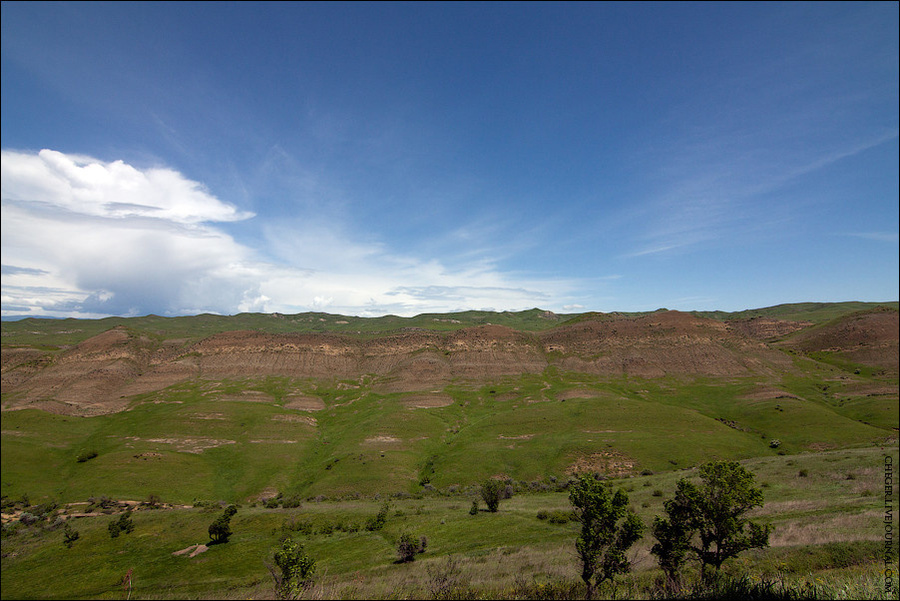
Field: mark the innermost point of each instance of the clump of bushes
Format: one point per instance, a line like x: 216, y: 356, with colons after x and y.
x: 493, y: 491
x: 377, y: 522
x: 408, y: 547
x: 123, y: 524
x: 102, y: 504
x: 557, y: 516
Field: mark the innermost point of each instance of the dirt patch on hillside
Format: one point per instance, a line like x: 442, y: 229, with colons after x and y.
x: 303, y: 419
x: 870, y: 338
x: 763, y: 394
x: 251, y: 396
x: 580, y: 393
x: 870, y: 390
x: 185, y: 445
x: 762, y: 328
x: 427, y: 400
x: 383, y: 440
x: 609, y: 463
x: 303, y: 402
x: 192, y: 551
x: 217, y: 416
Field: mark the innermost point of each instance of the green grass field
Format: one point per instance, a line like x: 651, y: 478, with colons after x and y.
x: 237, y: 439
x: 828, y: 532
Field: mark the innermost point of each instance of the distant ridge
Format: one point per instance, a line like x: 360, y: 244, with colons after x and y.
x: 19, y: 331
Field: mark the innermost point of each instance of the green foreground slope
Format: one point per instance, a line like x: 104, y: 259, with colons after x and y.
x: 827, y: 509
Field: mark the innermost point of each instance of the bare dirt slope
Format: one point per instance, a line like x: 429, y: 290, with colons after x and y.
x: 868, y: 337
x: 102, y: 374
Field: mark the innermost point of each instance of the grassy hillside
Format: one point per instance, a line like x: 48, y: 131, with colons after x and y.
x: 237, y: 439
x: 813, y: 415
x: 826, y: 507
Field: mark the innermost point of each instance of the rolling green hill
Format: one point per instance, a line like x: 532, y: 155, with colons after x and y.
x: 441, y: 404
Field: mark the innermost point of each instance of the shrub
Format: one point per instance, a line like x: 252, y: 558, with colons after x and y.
x: 70, y: 535
x: 327, y: 529
x: 295, y: 570
x: 298, y: 525
x: 27, y: 518
x: 492, y: 490
x: 377, y: 522
x: 474, y: 509
x: 408, y: 547
x: 123, y: 524
x: 292, y: 502
x: 85, y: 456
x: 562, y: 517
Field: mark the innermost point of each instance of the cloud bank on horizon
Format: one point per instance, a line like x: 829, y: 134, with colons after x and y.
x: 402, y: 159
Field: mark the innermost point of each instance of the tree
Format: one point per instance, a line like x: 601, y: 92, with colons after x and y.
x: 713, y: 513
x: 492, y: 491
x: 220, y: 529
x: 608, y: 529
x: 295, y: 569
x: 671, y: 548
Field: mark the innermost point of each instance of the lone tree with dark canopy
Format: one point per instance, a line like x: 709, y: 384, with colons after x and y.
x: 710, y: 518
x: 220, y: 529
x: 608, y: 529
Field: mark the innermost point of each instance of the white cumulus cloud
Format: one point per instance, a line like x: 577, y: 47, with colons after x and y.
x: 87, y: 238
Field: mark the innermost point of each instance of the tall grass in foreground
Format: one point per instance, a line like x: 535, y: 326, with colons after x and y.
x: 447, y: 579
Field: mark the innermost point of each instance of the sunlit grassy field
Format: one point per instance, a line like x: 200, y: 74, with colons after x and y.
x: 827, y: 509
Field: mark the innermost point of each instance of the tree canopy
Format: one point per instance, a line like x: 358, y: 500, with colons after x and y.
x: 608, y: 529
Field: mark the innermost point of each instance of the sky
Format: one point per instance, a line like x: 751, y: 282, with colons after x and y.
x: 405, y: 158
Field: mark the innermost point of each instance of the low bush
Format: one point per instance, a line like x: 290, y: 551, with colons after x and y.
x: 557, y: 516
x: 408, y: 547
x: 86, y: 456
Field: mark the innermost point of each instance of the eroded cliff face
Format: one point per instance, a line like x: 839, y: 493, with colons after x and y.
x: 104, y: 373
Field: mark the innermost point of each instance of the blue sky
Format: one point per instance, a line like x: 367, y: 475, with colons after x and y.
x: 371, y: 159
